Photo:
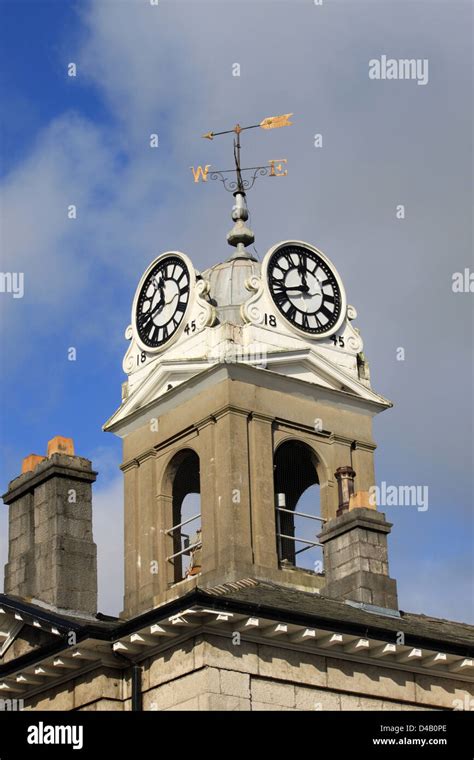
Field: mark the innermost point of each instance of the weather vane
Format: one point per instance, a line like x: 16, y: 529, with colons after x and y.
x: 240, y: 236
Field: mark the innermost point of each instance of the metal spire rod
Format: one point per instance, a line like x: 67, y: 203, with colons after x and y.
x: 240, y: 185
x: 240, y: 235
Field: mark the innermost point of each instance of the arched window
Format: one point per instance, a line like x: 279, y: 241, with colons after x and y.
x: 297, y: 506
x: 185, y: 532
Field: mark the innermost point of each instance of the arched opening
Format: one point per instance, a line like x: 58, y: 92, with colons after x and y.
x: 297, y: 504
x: 185, y: 532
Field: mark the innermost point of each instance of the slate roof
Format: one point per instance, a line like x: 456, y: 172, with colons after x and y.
x: 273, y: 601
x: 344, y: 615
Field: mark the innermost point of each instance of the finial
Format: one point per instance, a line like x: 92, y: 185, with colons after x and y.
x: 240, y: 235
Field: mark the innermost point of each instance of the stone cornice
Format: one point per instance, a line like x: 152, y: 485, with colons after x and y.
x: 47, y: 470
x: 361, y: 517
x: 122, y: 421
x: 302, y: 428
x: 359, y: 444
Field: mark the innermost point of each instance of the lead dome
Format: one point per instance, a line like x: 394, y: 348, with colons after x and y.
x: 227, y: 290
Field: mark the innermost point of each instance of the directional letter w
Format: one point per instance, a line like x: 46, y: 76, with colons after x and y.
x: 200, y: 172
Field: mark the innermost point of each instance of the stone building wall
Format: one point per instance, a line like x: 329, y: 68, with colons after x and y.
x: 209, y: 672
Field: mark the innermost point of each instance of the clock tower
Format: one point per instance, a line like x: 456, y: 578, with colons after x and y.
x: 256, y: 562
x: 248, y: 386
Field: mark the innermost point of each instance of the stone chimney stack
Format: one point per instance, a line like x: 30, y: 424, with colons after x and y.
x: 355, y: 549
x: 51, y: 554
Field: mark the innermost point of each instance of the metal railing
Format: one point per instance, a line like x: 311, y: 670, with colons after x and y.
x: 295, y: 539
x: 188, y: 547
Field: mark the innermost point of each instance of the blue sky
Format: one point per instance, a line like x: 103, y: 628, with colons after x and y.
x: 167, y: 69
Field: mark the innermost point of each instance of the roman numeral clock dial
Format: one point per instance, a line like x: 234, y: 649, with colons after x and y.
x: 161, y: 301
x: 306, y: 289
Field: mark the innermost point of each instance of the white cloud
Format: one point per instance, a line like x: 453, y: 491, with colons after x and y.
x: 54, y: 252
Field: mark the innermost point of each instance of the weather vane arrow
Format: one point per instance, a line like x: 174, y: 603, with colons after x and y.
x: 240, y: 236
x: 271, y: 122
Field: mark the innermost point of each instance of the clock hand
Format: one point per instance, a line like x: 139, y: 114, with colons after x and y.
x: 171, y: 299
x: 158, y: 284
x: 298, y: 288
x: 302, y: 273
x: 161, y: 304
x: 157, y: 309
x: 161, y: 288
x: 148, y: 315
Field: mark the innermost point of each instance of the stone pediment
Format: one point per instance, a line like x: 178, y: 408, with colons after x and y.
x: 308, y: 365
x: 26, y: 626
x: 21, y: 634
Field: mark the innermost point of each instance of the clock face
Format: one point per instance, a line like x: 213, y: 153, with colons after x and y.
x: 305, y: 289
x: 162, y: 301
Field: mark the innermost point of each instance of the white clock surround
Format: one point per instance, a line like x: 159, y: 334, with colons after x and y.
x: 231, y: 318
x: 306, y: 246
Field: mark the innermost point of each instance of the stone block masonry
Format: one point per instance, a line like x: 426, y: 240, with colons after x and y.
x: 356, y: 558
x: 52, y: 556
